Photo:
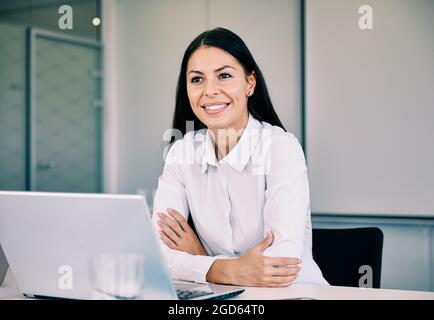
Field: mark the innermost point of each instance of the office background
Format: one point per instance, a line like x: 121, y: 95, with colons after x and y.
x: 84, y: 110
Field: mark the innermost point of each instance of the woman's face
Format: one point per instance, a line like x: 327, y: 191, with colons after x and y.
x: 218, y: 88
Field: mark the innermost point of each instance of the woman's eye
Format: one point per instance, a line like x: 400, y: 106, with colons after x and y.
x: 225, y: 76
x: 196, y: 80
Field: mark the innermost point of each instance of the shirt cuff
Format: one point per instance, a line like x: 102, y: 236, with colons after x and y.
x: 196, y: 268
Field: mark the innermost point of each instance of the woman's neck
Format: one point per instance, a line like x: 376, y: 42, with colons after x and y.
x: 226, y: 139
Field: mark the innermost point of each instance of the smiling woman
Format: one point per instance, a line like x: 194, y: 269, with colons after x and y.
x: 222, y: 44
x: 253, y: 226
x: 218, y: 89
x: 218, y: 94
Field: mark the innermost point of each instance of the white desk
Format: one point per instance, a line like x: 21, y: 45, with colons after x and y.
x: 9, y: 291
x: 331, y: 293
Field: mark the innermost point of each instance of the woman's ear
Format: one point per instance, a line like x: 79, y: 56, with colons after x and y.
x: 251, y: 83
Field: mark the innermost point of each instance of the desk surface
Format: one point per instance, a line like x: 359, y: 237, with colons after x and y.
x: 9, y: 290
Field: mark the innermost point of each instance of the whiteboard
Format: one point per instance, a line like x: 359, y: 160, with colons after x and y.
x: 369, y: 112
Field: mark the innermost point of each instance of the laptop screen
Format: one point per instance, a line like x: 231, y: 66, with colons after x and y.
x: 3, y: 266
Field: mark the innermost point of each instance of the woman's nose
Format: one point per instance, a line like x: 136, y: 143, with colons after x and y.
x: 211, y: 89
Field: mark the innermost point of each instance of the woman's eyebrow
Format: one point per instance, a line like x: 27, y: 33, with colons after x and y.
x: 224, y: 67
x: 217, y: 70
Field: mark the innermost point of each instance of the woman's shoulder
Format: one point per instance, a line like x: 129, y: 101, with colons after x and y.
x: 279, y: 136
x: 283, y: 147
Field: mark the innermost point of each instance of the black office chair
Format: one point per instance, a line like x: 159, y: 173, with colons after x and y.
x: 340, y: 253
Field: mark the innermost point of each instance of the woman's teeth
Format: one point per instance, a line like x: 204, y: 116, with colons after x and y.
x: 216, y: 107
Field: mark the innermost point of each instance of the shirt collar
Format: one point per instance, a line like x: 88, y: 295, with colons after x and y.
x: 240, y: 155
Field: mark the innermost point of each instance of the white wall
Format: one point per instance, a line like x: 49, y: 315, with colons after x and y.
x: 370, y: 107
x: 144, y: 44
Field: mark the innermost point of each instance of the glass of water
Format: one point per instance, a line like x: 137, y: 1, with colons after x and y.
x: 117, y: 276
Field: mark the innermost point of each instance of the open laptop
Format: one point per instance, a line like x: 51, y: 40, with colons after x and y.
x: 3, y: 266
x: 44, y: 234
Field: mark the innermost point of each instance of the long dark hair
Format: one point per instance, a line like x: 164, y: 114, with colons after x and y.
x: 259, y: 104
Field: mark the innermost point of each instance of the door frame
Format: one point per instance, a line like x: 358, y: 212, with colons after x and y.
x: 32, y: 34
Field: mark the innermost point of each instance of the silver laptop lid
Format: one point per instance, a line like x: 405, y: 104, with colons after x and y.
x: 42, y: 233
x: 3, y: 266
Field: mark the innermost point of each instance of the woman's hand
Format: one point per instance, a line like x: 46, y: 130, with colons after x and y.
x: 177, y: 234
x: 255, y: 269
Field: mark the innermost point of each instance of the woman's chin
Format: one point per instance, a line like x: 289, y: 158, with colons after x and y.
x: 219, y: 124
x: 216, y: 122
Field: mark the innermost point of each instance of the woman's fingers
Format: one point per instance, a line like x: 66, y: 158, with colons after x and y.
x: 282, y: 271
x: 278, y: 280
x: 280, y: 262
x: 265, y: 243
x: 168, y: 231
x: 173, y: 224
x: 287, y: 284
x: 169, y: 242
x: 284, y: 284
x: 179, y: 218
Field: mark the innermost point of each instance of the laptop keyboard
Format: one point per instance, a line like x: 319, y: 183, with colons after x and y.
x: 190, y: 294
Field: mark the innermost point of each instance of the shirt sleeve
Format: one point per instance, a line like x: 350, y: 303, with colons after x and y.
x: 171, y: 194
x: 286, y: 197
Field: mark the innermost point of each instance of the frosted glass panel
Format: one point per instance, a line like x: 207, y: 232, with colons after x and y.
x: 66, y: 127
x: 12, y: 107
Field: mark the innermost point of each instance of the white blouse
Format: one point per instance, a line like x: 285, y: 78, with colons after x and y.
x: 260, y: 185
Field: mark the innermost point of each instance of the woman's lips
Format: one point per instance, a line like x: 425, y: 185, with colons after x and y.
x: 215, y: 108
